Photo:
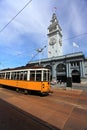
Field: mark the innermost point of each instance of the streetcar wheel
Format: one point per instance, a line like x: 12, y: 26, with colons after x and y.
x: 30, y: 92
x: 17, y: 89
x: 25, y: 91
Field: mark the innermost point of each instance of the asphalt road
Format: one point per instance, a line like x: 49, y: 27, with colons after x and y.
x: 63, y: 109
x: 13, y: 118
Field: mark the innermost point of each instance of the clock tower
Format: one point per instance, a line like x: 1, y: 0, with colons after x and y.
x: 54, y: 38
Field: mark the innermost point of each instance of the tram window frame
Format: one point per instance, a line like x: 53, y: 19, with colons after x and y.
x: 17, y: 75
x: 48, y: 75
x: 7, y: 75
x: 38, y: 75
x: 44, y: 75
x: 25, y: 75
x: 32, y: 75
x: 21, y: 75
x: 12, y: 76
x: 2, y: 76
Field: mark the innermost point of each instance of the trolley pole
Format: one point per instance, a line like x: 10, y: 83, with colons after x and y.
x: 40, y: 51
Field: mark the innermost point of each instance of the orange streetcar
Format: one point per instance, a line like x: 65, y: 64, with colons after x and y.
x: 27, y: 79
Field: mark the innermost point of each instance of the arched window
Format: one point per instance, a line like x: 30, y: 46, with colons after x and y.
x: 61, y: 68
x: 49, y: 67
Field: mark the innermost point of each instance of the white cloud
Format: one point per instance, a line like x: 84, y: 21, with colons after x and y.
x: 28, y: 31
x: 74, y: 22
x: 77, y: 20
x: 30, y: 20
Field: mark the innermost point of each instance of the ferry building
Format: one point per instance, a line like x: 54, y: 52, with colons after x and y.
x: 72, y: 66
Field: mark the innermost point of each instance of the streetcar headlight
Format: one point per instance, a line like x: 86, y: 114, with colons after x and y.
x: 43, y: 85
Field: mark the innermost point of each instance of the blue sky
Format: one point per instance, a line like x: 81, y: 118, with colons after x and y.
x: 28, y: 31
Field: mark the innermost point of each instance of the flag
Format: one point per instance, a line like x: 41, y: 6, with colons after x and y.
x: 75, y: 45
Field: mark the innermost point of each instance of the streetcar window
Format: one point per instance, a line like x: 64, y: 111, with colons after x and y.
x: 2, y: 75
x: 48, y: 75
x: 44, y: 75
x: 17, y: 75
x: 7, y: 75
x: 32, y: 75
x: 38, y: 75
x: 21, y: 75
x: 12, y: 75
x: 25, y: 75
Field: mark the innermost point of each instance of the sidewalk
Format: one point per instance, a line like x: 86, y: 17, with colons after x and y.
x: 78, y: 86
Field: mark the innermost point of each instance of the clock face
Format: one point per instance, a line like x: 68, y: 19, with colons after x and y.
x: 52, y: 41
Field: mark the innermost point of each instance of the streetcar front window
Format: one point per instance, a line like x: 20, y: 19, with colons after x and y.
x: 46, y: 75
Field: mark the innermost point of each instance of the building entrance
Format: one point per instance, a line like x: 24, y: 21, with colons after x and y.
x: 76, y: 76
x: 61, y: 72
x: 61, y: 78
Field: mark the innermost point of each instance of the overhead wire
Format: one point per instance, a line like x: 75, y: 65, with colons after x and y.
x: 46, y: 45
x: 23, y: 9
x: 62, y: 40
x: 16, y: 15
x: 38, y: 51
x: 79, y: 35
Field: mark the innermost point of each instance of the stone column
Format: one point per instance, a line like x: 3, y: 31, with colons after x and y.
x: 81, y: 68
x: 53, y: 71
x: 68, y: 70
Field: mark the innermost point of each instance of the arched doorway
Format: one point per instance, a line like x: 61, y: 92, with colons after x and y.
x: 76, y: 76
x: 61, y: 72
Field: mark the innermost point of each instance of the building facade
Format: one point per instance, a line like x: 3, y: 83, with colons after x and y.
x: 72, y: 66
x: 62, y: 67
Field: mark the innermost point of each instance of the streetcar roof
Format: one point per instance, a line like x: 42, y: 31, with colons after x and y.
x: 24, y: 68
